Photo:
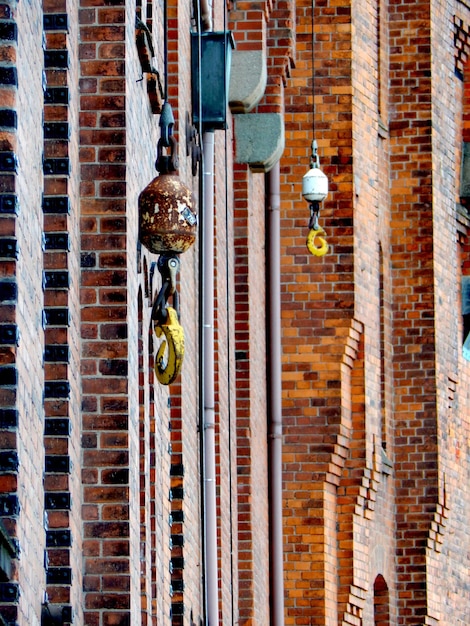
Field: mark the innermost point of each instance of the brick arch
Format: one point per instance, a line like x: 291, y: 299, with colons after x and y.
x: 381, y: 602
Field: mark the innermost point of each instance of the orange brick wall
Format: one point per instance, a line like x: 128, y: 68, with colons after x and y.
x: 447, y: 531
x: 317, y: 308
x: 372, y: 351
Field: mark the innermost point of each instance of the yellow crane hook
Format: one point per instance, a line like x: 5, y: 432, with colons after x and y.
x: 167, y: 369
x: 320, y: 250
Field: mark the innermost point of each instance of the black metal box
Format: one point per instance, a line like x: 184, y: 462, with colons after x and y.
x: 211, y: 54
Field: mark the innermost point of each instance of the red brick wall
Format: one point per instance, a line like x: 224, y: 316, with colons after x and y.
x: 268, y: 28
x: 109, y: 524
x: 412, y: 202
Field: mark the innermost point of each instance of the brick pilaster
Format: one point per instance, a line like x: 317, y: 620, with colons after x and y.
x: 9, y: 333
x: 56, y: 210
x: 413, y: 335
x: 105, y: 420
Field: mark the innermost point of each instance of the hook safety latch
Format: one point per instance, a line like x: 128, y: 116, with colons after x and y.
x: 320, y: 250
x: 170, y: 354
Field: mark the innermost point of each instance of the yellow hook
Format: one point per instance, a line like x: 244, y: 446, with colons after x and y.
x: 168, y: 369
x: 317, y: 250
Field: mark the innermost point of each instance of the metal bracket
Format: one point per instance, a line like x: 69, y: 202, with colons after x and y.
x: 167, y: 121
x: 192, y: 145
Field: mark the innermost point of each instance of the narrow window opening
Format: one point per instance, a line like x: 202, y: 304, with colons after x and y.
x: 465, y: 286
x: 379, y: 59
x: 381, y: 602
x: 382, y: 36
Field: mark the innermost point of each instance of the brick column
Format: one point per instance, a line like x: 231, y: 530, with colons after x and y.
x: 9, y: 329
x: 105, y: 419
x: 62, y: 398
x: 413, y: 277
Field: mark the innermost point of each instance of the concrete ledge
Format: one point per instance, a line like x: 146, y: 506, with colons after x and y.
x: 248, y: 77
x: 259, y: 139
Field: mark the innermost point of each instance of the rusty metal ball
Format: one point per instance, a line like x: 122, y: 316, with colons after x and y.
x: 167, y: 221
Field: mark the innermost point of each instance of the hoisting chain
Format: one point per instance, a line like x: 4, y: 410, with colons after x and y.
x: 167, y: 163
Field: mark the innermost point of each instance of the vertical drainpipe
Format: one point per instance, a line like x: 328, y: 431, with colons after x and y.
x: 208, y: 378
x: 211, y: 582
x: 275, y: 400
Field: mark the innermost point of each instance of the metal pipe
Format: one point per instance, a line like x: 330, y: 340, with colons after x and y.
x: 210, y: 565
x: 208, y: 383
x: 275, y: 400
x: 206, y: 14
